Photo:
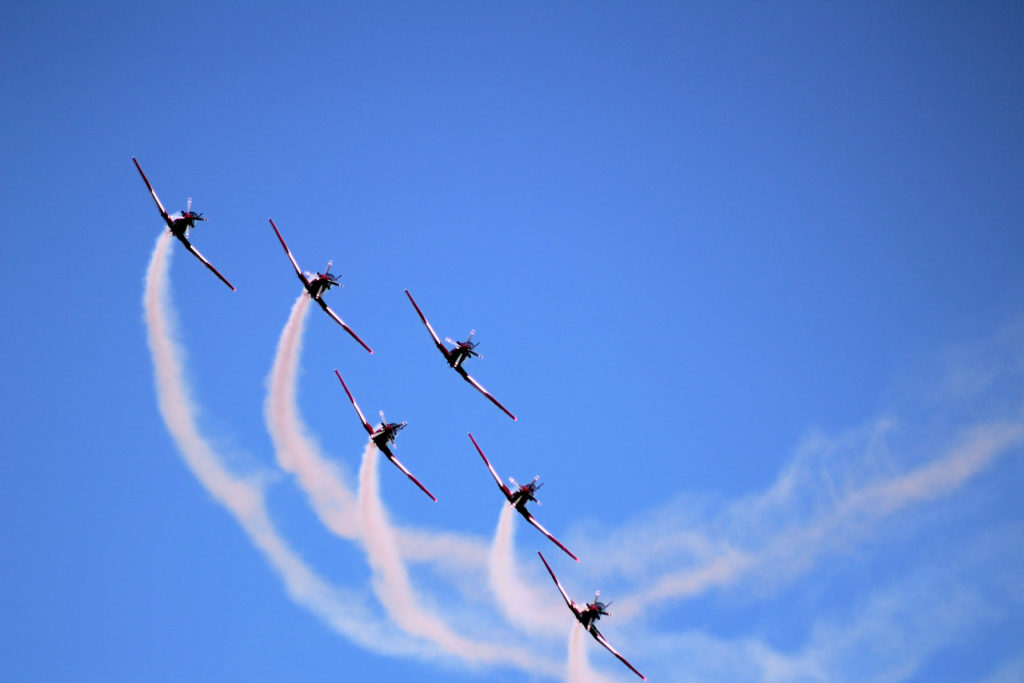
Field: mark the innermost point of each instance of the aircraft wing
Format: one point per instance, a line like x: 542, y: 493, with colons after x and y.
x: 195, y: 252
x: 466, y: 376
x: 504, y: 489
x: 337, y: 319
x: 295, y: 264
x: 433, y: 335
x: 163, y: 211
x: 565, y: 596
x: 601, y: 639
x: 400, y: 466
x: 362, y: 418
x: 532, y: 520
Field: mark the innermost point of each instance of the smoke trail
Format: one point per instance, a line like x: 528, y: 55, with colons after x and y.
x: 297, y: 452
x: 394, y: 590
x: 794, y: 546
x: 579, y: 667
x: 242, y: 496
x: 520, y: 603
x: 579, y: 672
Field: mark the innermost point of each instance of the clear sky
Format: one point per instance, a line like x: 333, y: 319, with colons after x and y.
x: 750, y: 274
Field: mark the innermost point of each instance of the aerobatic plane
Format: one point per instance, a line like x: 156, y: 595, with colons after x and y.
x: 589, y: 614
x: 519, y: 497
x: 317, y: 284
x: 457, y: 355
x: 180, y: 223
x: 384, y: 435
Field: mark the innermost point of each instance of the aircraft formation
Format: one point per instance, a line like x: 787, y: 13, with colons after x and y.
x: 383, y: 436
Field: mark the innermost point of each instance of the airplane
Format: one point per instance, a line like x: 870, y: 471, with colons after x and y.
x: 317, y: 284
x: 588, y: 615
x: 384, y: 435
x: 458, y: 355
x: 520, y: 497
x: 179, y: 224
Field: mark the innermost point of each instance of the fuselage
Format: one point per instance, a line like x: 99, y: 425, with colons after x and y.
x: 591, y: 614
x: 385, y: 434
x: 179, y: 223
x: 520, y: 498
x: 319, y: 285
x: 462, y: 351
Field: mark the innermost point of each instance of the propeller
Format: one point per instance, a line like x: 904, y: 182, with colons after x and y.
x: 466, y: 346
x: 397, y: 426
x: 187, y: 213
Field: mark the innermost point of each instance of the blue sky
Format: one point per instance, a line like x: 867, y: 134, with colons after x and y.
x: 748, y: 273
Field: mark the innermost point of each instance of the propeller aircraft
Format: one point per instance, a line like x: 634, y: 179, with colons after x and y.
x: 589, y: 614
x: 383, y: 436
x: 317, y: 284
x: 180, y: 223
x: 458, y: 355
x: 519, y: 495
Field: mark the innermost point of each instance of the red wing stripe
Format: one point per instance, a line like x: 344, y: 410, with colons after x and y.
x: 341, y: 322
x: 195, y: 252
x: 561, y: 590
x: 433, y: 335
x: 414, y: 479
x: 533, y: 520
x: 504, y: 489
x: 163, y: 211
x: 291, y: 258
x: 601, y: 639
x: 466, y: 376
x: 362, y: 418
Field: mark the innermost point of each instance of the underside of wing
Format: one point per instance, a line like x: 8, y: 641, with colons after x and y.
x: 533, y: 520
x: 504, y: 489
x: 565, y: 596
x: 195, y: 252
x: 402, y: 467
x: 362, y: 418
x: 160, y: 206
x: 337, y: 319
x: 295, y: 264
x: 601, y: 639
x: 433, y: 335
x: 466, y: 376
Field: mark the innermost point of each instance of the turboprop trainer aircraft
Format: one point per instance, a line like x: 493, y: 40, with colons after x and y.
x: 383, y: 436
x: 180, y: 223
x: 519, y: 497
x: 458, y: 355
x: 316, y: 285
x: 588, y: 614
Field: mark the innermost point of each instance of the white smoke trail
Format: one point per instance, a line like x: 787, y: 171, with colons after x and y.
x: 579, y: 667
x: 579, y: 672
x: 324, y: 481
x: 521, y: 603
x: 791, y: 548
x: 243, y: 496
x: 297, y: 452
x: 394, y: 589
